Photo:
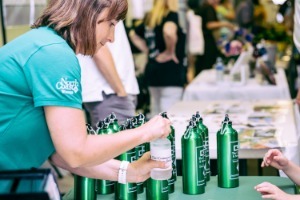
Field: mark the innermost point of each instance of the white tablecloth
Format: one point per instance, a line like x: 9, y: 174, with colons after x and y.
x: 205, y: 87
x: 213, y: 113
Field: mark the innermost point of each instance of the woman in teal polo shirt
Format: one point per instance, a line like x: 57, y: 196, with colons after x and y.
x: 40, y: 95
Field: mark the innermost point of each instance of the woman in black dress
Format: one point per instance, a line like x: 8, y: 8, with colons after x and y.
x: 160, y: 35
x: 210, y: 23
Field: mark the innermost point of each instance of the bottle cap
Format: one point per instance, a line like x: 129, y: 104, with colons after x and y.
x: 194, y: 118
x: 129, y: 124
x: 164, y: 115
x: 122, y: 127
x: 198, y: 116
x: 100, y: 124
x: 188, y: 131
x: 226, y: 119
x: 112, y: 116
x: 141, y: 117
x: 192, y: 124
x: 134, y: 121
x: 90, y: 129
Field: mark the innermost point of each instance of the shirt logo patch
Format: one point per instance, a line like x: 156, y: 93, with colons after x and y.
x: 67, y: 87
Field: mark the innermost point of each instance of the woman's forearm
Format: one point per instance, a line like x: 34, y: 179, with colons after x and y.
x: 170, y: 37
x: 137, y: 171
x: 122, y: 141
x: 105, y: 171
x: 78, y: 149
x: 218, y: 24
x: 293, y: 171
x: 105, y: 63
x: 138, y: 41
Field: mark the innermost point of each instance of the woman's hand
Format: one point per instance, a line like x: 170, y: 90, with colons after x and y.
x: 166, y: 56
x: 275, y: 159
x: 139, y: 170
x: 270, y: 191
x: 229, y: 25
x: 157, y: 127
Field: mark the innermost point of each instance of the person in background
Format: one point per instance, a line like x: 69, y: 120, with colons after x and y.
x: 108, y: 80
x: 244, y: 14
x: 40, y: 96
x: 210, y: 23
x: 225, y: 12
x: 276, y: 159
x: 195, y: 38
x: 162, y: 38
x: 259, y: 17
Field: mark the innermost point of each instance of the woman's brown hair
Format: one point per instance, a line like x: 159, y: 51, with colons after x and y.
x: 75, y: 20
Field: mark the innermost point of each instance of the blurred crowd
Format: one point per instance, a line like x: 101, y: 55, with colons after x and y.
x: 198, y: 31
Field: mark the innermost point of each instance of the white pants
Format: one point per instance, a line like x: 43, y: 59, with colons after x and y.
x: 162, y: 98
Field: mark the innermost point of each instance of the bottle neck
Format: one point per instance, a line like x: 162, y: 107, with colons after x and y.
x: 226, y: 126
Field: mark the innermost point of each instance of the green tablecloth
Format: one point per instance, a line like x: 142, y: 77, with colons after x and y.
x: 212, y: 192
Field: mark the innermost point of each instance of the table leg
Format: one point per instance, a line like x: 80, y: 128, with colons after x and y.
x: 243, y: 167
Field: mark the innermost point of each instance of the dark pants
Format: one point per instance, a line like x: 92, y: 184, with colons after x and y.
x: 123, y: 107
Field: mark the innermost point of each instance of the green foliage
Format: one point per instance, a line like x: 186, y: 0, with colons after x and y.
x: 274, y: 32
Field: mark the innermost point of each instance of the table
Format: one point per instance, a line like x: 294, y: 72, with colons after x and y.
x: 205, y: 87
x: 213, y: 112
x: 245, y: 191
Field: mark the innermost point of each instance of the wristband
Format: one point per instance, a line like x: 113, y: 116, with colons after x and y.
x: 123, y: 172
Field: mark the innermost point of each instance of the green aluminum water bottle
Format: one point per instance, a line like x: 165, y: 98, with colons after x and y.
x: 204, y: 129
x: 202, y: 135
x: 104, y: 186
x: 84, y: 188
x: 90, y: 129
x: 140, y: 149
x: 227, y: 155
x: 126, y: 191
x: 193, y: 173
x: 157, y: 189
x: 171, y: 137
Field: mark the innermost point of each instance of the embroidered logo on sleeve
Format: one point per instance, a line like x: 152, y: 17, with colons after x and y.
x: 67, y: 87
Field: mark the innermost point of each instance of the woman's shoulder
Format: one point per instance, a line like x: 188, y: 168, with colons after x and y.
x: 206, y: 8
x: 172, y: 14
x: 45, y: 36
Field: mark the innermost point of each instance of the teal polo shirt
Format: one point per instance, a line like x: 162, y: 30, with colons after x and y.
x: 37, y: 69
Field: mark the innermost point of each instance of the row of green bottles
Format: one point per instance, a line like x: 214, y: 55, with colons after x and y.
x: 84, y: 188
x: 155, y: 189
x: 194, y: 158
x: 227, y: 155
